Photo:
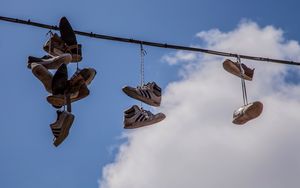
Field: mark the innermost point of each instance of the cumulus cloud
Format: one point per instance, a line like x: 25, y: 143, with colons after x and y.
x: 197, y: 145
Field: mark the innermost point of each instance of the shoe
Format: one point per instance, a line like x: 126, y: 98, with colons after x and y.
x: 59, y: 81
x: 50, y: 62
x: 61, y: 127
x: 136, y: 117
x: 247, y: 113
x: 55, y: 46
x: 59, y: 100
x: 149, y: 93
x: 234, y: 68
x: 68, y: 36
x: 43, y: 75
x: 88, y: 74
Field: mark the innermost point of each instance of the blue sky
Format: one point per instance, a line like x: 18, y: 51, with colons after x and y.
x: 28, y: 158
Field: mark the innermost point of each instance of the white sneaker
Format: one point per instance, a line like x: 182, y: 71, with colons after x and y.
x: 50, y: 62
x: 136, y: 117
x: 247, y: 113
x: 149, y: 93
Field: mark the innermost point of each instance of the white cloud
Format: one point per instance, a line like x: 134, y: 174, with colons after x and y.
x: 197, y: 145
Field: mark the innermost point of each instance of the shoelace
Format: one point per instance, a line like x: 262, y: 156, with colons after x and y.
x: 145, y: 86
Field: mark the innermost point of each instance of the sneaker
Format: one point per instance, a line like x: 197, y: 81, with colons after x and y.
x: 247, y: 113
x: 40, y: 72
x: 149, y: 93
x: 61, y: 127
x: 59, y: 100
x: 55, y: 46
x: 50, y: 62
x: 69, y: 37
x: 88, y: 75
x: 136, y: 117
x: 234, y: 68
x: 59, y: 81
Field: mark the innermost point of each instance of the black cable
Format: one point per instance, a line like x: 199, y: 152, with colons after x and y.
x: 148, y: 43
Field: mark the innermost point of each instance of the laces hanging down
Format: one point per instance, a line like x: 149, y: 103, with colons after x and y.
x: 248, y: 111
x: 149, y: 93
x: 61, y: 50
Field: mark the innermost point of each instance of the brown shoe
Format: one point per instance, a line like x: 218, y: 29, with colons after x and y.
x: 247, y: 113
x: 43, y: 75
x: 56, y: 47
x: 234, y: 68
x: 59, y: 100
x: 61, y: 127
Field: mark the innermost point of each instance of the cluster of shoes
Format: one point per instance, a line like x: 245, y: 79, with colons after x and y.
x: 136, y: 117
x: 248, y: 111
x: 62, y: 50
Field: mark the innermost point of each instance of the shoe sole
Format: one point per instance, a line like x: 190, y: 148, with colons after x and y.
x: 146, y: 123
x: 66, y: 32
x: 65, y: 131
x: 251, y: 113
x: 41, y: 73
x: 132, y: 93
x: 231, y: 68
x: 64, y: 58
x: 60, y: 101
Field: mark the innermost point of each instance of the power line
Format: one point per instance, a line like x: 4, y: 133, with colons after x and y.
x: 148, y: 43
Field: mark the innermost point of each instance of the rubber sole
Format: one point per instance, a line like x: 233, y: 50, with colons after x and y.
x: 231, y: 68
x: 132, y: 93
x: 145, y: 123
x: 250, y: 113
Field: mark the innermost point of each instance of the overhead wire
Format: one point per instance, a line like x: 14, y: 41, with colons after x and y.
x: 153, y: 44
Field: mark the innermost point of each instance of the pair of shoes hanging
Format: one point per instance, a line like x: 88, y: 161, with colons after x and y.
x: 76, y: 87
x: 136, y: 117
x: 248, y: 111
x: 61, y: 127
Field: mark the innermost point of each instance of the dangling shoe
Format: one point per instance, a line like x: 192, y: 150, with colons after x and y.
x: 50, y: 62
x: 149, y: 93
x: 40, y: 72
x: 69, y: 37
x: 59, y: 81
x: 59, y: 100
x: 61, y: 127
x: 76, y: 87
x: 234, y: 68
x: 247, y: 113
x: 135, y: 117
x: 55, y: 46
x: 88, y: 75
